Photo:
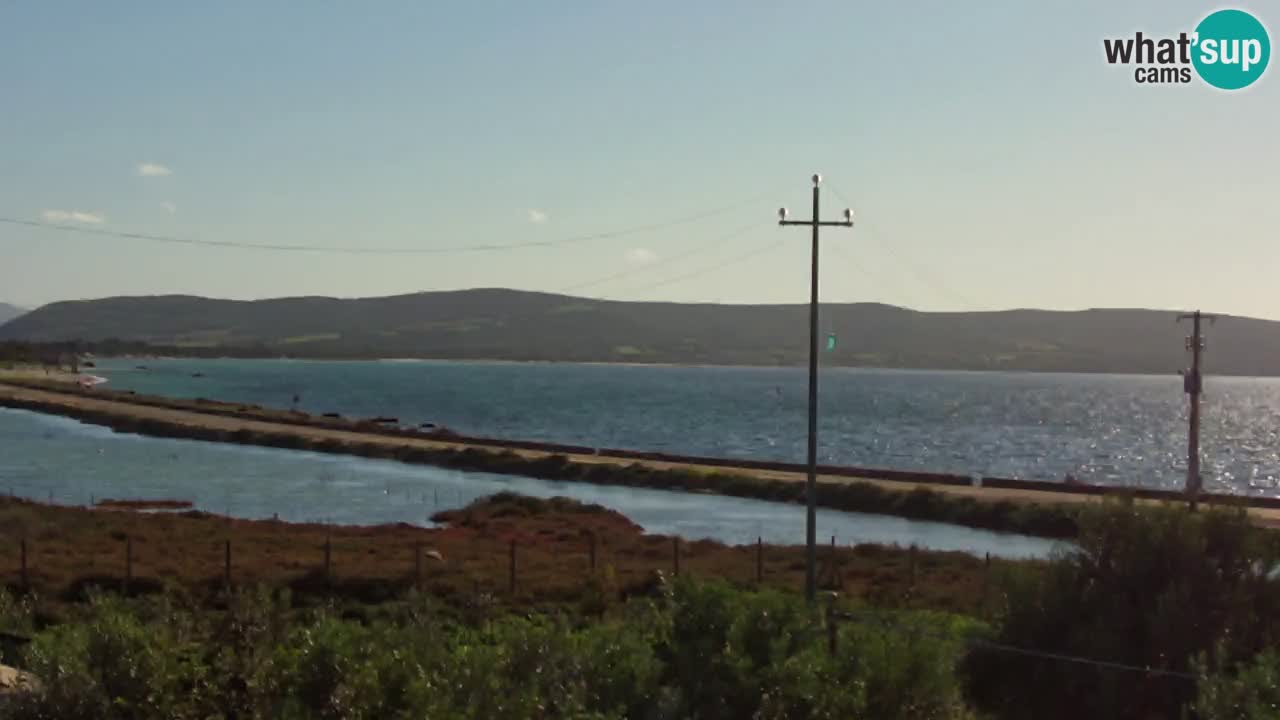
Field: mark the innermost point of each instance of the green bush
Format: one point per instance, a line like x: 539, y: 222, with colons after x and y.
x: 730, y: 654
x: 903, y: 670
x: 1147, y: 587
x: 1250, y: 692
x: 703, y: 650
x: 113, y: 664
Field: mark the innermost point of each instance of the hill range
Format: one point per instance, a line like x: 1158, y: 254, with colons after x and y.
x: 516, y: 325
x: 9, y: 312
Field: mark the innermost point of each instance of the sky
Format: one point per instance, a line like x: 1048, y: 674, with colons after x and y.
x: 637, y: 151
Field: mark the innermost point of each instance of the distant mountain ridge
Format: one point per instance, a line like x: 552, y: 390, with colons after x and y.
x: 517, y: 325
x: 9, y: 312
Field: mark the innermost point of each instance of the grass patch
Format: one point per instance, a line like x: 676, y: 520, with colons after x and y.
x: 70, y: 550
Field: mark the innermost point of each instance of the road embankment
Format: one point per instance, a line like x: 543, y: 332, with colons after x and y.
x: 1042, y: 509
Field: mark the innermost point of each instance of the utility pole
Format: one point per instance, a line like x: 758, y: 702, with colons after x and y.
x: 811, y: 485
x: 1192, y: 383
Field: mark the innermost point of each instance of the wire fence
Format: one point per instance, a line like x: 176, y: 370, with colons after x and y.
x: 419, y: 570
x: 834, y: 617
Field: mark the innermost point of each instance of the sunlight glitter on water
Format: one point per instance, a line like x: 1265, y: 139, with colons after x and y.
x: 1109, y: 429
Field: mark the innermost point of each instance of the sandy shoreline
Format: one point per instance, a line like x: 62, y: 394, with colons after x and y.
x: 33, y: 372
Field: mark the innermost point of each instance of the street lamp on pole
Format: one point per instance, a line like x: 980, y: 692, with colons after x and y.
x: 811, y: 484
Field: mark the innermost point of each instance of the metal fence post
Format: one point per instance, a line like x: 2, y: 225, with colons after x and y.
x: 831, y: 624
x: 128, y: 563
x: 911, y: 566
x: 835, y: 571
x: 759, y: 559
x: 511, y: 580
x: 417, y: 565
x: 328, y: 561
x: 986, y: 580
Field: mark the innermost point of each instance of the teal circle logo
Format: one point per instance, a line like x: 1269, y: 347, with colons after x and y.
x: 1232, y: 49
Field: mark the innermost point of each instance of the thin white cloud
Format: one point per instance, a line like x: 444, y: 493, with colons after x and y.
x: 538, y: 217
x: 70, y: 216
x: 170, y: 207
x: 153, y: 170
x: 640, y: 256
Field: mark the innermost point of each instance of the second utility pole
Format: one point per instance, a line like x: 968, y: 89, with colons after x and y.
x: 811, y: 486
x: 1192, y: 384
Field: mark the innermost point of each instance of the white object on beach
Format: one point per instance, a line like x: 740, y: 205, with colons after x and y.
x: 88, y: 381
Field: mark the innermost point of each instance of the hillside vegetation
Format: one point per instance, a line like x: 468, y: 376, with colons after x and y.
x: 9, y: 312
x: 513, y: 325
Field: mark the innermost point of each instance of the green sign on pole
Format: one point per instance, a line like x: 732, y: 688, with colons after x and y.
x: 831, y: 342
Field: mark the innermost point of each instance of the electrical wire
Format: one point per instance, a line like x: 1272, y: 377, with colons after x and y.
x: 709, y: 269
x: 921, y: 274
x: 886, y: 623
x: 714, y: 242
x: 635, y: 230
x: 851, y: 261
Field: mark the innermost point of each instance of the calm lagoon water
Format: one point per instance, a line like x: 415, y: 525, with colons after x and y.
x: 1108, y: 429
x: 47, y: 457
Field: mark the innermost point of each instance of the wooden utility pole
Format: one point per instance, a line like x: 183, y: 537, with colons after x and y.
x: 811, y: 485
x: 1192, y: 384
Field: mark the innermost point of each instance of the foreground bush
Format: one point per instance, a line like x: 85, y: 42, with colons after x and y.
x: 1152, y: 588
x: 700, y: 650
x: 1188, y: 602
x: 1250, y: 691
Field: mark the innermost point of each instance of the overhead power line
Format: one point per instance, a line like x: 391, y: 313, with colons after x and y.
x: 703, y: 247
x: 456, y: 249
x: 709, y: 269
x: 924, y: 276
x: 852, y: 263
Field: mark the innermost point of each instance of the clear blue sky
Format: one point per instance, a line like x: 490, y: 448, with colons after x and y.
x: 993, y: 158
